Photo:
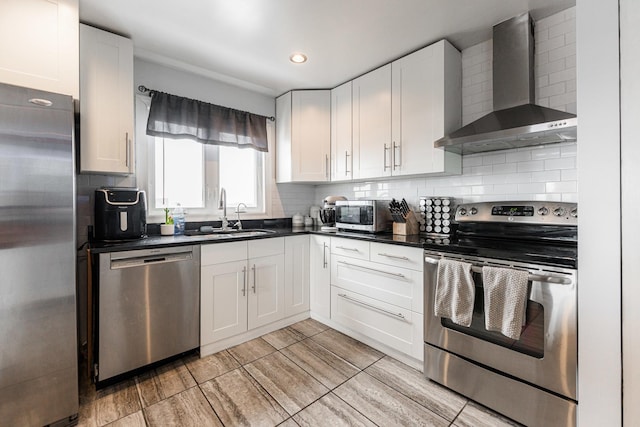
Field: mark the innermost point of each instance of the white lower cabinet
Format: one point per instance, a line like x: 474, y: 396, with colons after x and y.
x: 296, y: 268
x: 265, y: 290
x: 394, y: 326
x: 223, y: 300
x: 320, y: 275
x: 377, y: 292
x: 241, y: 287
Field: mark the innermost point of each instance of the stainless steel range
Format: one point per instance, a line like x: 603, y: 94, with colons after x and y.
x: 530, y: 375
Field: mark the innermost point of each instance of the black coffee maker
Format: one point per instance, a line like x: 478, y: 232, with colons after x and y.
x: 120, y: 214
x: 328, y: 212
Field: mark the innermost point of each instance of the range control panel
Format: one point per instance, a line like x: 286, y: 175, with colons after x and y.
x: 556, y: 213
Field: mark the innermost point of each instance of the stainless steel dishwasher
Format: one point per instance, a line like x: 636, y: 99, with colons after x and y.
x: 148, y: 307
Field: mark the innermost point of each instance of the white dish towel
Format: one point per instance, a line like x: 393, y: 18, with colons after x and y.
x: 455, y: 292
x: 505, y: 300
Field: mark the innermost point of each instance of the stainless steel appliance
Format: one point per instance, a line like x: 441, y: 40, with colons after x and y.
x: 533, y: 379
x: 148, y: 308
x: 369, y: 216
x: 328, y: 212
x: 120, y: 214
x: 38, y: 350
x: 516, y: 120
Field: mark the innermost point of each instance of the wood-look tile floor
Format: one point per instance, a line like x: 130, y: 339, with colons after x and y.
x: 304, y: 375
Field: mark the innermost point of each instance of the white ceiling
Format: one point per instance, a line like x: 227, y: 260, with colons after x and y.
x: 248, y: 42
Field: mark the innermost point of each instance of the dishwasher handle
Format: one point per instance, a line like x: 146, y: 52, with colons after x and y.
x: 151, y: 260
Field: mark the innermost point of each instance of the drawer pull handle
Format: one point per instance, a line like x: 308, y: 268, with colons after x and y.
x: 347, y: 249
x: 357, y: 301
x: 373, y: 269
x: 404, y: 258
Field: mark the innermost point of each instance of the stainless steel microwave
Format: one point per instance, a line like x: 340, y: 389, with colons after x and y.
x: 370, y: 216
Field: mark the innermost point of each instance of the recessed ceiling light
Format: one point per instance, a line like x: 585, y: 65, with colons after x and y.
x: 298, y: 58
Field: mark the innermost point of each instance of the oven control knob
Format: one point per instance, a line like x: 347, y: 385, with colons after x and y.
x: 473, y: 211
x: 559, y: 211
x: 543, y: 211
x: 462, y: 211
x: 574, y: 212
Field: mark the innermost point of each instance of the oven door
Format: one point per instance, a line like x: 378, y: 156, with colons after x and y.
x: 546, y: 353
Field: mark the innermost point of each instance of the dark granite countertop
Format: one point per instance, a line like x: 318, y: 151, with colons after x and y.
x: 279, y: 229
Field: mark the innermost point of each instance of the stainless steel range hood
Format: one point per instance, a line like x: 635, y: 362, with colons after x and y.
x: 516, y: 121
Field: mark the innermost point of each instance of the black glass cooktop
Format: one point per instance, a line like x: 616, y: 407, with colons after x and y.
x: 556, y: 246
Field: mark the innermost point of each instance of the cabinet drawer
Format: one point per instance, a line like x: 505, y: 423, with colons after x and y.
x: 350, y: 247
x: 397, y: 256
x: 396, y: 327
x: 266, y: 247
x: 393, y: 285
x: 223, y: 252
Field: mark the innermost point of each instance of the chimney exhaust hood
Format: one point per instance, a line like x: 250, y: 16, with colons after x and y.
x: 516, y: 121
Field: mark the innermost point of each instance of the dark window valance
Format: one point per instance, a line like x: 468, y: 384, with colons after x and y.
x: 172, y: 116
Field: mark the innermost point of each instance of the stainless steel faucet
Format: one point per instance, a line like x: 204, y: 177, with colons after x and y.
x: 222, y: 204
x: 239, y: 224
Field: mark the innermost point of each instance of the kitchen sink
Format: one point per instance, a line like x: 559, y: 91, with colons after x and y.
x: 215, y: 234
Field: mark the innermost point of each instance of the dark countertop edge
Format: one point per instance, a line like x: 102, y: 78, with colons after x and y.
x: 157, y: 241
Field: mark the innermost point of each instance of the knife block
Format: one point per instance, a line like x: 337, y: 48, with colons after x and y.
x: 411, y: 225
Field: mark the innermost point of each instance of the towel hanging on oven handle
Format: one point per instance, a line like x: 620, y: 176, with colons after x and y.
x: 537, y: 277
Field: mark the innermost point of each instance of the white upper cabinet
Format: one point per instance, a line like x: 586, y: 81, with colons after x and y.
x: 341, y: 133
x: 426, y: 105
x: 372, y: 124
x: 303, y: 136
x: 106, y: 102
x: 39, y: 44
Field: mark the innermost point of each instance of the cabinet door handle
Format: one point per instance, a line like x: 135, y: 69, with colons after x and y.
x: 385, y: 157
x: 357, y: 301
x: 326, y: 166
x: 324, y: 255
x: 347, y: 249
x: 404, y: 258
x: 346, y: 163
x: 244, y: 280
x: 127, y: 148
x: 254, y: 278
x: 396, y: 147
x: 400, y: 275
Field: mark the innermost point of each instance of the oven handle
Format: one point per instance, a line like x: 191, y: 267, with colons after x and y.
x: 545, y: 277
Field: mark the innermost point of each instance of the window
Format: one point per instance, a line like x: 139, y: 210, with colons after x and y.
x: 179, y: 174
x: 191, y: 173
x: 184, y: 171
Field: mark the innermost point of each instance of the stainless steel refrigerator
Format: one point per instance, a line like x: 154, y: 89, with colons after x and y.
x: 38, y: 338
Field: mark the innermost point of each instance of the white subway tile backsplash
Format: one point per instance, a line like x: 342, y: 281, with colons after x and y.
x: 472, y: 160
x: 568, y: 175
x: 532, y: 187
x: 482, y: 170
x: 513, y: 156
x: 561, y: 187
x: 551, y: 66
x: 552, y: 89
x: 568, y: 150
x: 492, y: 159
x: 545, y: 152
x: 561, y: 163
x: 546, y: 176
x: 550, y: 44
x: 531, y: 166
x: 505, y: 168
